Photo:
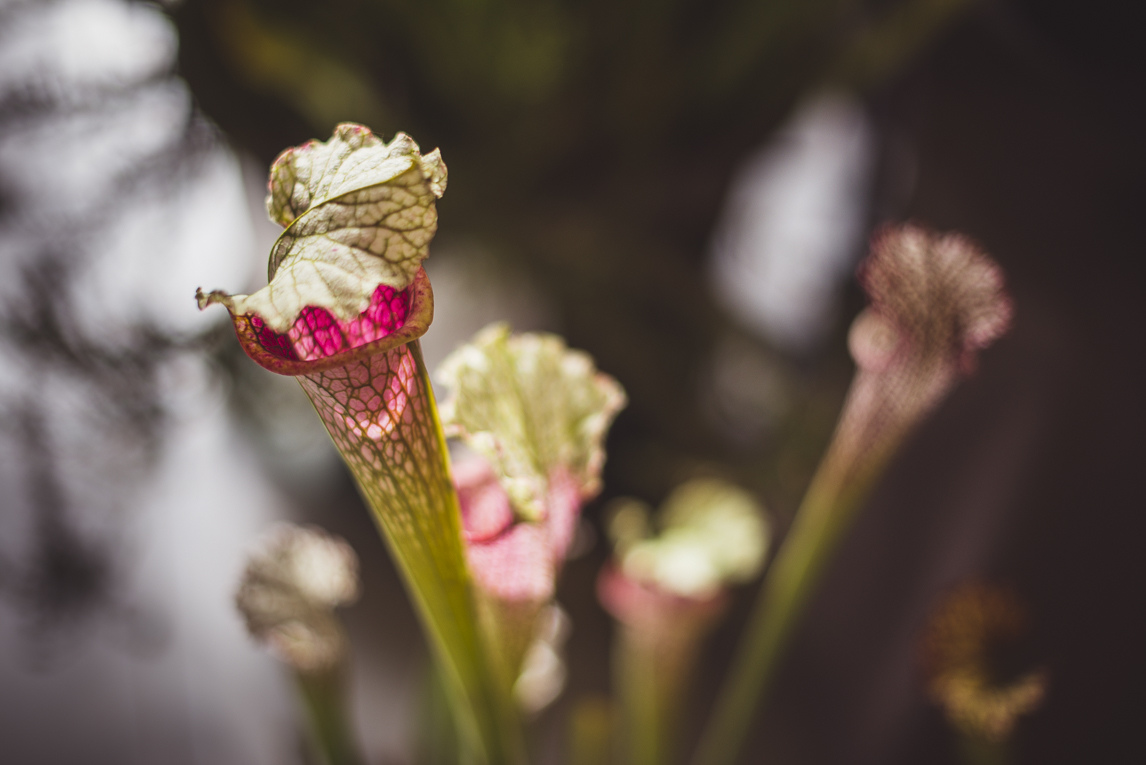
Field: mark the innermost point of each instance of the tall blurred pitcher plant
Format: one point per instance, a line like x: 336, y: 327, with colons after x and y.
x: 287, y: 597
x: 667, y: 586
x: 935, y: 301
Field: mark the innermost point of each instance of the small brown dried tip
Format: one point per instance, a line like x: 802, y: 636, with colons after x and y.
x: 289, y: 591
x: 964, y: 636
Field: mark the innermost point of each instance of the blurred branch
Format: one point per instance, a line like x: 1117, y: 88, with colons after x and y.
x: 886, y: 45
x: 286, y: 63
x: 74, y: 378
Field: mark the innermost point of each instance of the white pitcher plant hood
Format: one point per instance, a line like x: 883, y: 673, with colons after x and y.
x: 712, y: 534
x: 289, y: 591
x: 936, y: 301
x: 356, y: 213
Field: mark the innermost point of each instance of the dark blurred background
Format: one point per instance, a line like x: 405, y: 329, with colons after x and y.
x: 682, y: 189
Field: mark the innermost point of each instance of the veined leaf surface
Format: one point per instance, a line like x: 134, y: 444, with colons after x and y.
x: 357, y: 212
x: 530, y: 406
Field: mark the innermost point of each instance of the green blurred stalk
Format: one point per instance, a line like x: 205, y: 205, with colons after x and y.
x: 975, y: 750
x: 654, y: 654
x: 652, y: 678
x: 591, y: 732
x: 820, y: 522
x: 324, y: 696
x: 438, y: 743
x: 936, y: 300
x: 880, y: 409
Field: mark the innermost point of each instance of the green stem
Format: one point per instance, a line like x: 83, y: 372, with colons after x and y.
x: 980, y: 751
x: 651, y: 680
x: 439, y: 743
x: 879, y: 410
x: 381, y: 414
x: 910, y: 347
x: 653, y: 658
x: 837, y: 489
x: 324, y: 696
x: 591, y: 732
x: 489, y: 696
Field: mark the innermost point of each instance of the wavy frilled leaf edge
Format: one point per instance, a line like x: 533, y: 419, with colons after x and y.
x: 491, y: 445
x: 418, y: 320
x: 432, y: 167
x: 336, y: 273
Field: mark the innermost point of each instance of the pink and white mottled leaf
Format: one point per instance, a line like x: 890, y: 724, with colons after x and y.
x: 530, y: 406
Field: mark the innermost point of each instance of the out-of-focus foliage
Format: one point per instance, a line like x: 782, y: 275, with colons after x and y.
x: 89, y: 144
x: 968, y: 628
x: 712, y: 534
x: 289, y: 591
